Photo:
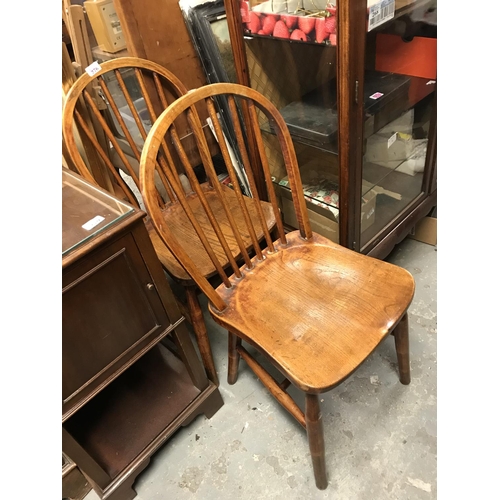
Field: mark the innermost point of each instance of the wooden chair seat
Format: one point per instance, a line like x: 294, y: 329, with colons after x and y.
x: 177, y: 220
x: 335, y: 308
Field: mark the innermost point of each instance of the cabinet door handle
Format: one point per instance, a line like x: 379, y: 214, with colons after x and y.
x: 150, y: 286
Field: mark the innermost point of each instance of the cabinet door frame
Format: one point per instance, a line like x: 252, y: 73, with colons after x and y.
x: 125, y: 246
x: 351, y: 39
x: 351, y: 72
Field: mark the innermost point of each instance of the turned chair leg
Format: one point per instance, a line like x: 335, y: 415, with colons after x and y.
x: 314, y: 427
x: 200, y: 331
x: 233, y: 358
x: 403, y: 349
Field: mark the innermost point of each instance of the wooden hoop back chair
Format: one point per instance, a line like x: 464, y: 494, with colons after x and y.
x: 315, y: 309
x: 151, y: 79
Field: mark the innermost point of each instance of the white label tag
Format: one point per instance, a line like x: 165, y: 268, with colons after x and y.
x: 392, y: 140
x: 380, y: 13
x: 431, y: 82
x: 376, y: 95
x: 93, y: 68
x: 93, y: 222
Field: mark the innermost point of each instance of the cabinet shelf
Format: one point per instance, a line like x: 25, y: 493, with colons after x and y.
x: 134, y: 410
x: 387, y: 206
x: 406, y: 7
x: 313, y: 121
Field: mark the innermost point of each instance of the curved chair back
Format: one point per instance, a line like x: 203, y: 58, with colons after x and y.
x: 135, y: 92
x: 263, y: 114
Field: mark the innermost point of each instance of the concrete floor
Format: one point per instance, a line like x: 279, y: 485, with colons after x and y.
x: 380, y: 435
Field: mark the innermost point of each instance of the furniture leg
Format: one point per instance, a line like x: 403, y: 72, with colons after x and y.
x: 233, y: 358
x: 200, y: 331
x: 314, y: 426
x: 403, y: 349
x: 188, y: 355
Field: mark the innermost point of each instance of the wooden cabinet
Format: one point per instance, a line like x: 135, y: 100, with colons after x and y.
x: 74, y: 484
x: 355, y: 81
x: 131, y: 375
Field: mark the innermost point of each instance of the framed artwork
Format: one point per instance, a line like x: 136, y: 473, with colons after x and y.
x: 207, y: 26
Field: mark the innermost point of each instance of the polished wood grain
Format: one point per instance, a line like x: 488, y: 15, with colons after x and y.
x: 337, y: 306
x: 183, y: 231
x: 354, y: 53
x: 149, y: 156
x: 315, y: 309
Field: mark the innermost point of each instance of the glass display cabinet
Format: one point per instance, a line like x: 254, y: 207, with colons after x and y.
x: 355, y: 81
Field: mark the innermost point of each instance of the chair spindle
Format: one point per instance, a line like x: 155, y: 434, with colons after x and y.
x: 197, y: 188
x: 248, y: 170
x: 105, y: 158
x: 267, y: 173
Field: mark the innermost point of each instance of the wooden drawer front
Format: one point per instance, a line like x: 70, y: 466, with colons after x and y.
x: 111, y: 311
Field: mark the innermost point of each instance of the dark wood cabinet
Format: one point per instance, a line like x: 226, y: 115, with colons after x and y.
x: 356, y: 82
x: 131, y: 375
x: 74, y: 484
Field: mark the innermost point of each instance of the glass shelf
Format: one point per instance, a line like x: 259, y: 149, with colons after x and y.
x: 312, y: 120
x: 86, y: 211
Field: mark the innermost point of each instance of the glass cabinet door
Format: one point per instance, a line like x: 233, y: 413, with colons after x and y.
x: 291, y: 52
x: 399, y: 92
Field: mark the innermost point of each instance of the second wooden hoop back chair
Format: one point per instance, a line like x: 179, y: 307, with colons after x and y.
x: 134, y: 92
x: 315, y: 309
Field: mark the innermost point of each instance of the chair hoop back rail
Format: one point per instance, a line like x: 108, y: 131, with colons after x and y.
x: 315, y: 309
x: 79, y: 97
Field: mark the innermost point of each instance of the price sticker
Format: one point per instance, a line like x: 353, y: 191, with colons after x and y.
x: 380, y: 13
x: 93, y: 68
x: 93, y: 222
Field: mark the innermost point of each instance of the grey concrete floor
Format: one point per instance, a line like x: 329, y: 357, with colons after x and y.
x: 380, y: 435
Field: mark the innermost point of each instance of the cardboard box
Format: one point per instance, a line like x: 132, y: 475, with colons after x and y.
x: 385, y: 149
x: 322, y: 220
x: 425, y: 231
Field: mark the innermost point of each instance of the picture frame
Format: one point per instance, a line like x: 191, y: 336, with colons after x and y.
x: 207, y: 26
